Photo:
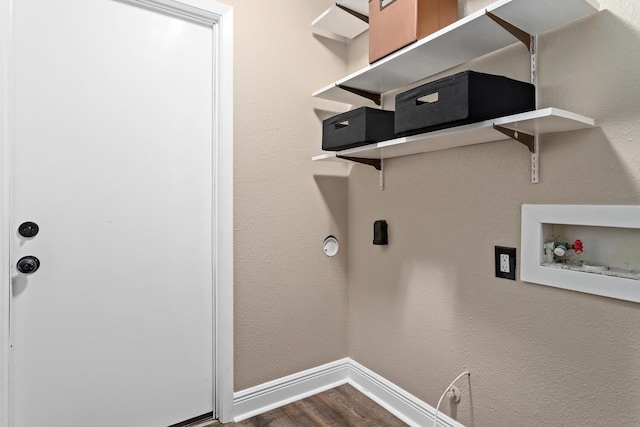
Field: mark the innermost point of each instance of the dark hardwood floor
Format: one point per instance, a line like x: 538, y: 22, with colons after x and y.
x: 342, y: 406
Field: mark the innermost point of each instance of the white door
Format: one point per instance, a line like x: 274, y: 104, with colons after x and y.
x: 112, y: 159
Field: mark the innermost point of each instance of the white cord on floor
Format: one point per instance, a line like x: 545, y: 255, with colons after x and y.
x: 435, y: 419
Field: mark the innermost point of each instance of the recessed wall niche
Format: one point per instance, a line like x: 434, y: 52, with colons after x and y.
x: 584, y: 248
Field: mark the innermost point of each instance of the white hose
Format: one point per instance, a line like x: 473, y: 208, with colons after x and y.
x: 435, y: 419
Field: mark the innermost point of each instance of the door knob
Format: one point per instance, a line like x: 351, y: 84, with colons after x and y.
x: 28, y: 264
x: 28, y: 229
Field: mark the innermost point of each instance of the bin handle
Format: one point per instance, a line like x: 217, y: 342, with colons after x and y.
x: 431, y: 98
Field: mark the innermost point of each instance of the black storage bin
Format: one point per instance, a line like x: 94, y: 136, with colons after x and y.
x: 459, y: 99
x: 357, y: 127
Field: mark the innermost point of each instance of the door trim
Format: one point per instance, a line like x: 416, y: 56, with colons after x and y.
x: 220, y: 18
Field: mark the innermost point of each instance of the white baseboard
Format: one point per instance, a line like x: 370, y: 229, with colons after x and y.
x: 273, y: 394
x: 276, y: 393
x: 396, y: 400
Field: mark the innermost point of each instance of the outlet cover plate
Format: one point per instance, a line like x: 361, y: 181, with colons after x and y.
x: 511, y: 253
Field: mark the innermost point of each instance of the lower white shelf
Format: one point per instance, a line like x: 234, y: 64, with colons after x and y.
x: 538, y: 122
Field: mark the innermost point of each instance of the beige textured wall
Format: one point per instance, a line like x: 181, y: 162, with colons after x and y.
x: 290, y: 299
x: 428, y: 306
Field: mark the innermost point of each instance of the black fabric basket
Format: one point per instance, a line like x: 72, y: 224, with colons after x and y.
x: 459, y: 99
x: 357, y: 127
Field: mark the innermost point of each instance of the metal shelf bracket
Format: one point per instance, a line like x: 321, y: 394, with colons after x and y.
x: 521, y: 35
x: 530, y: 141
x: 358, y: 15
x: 375, y: 97
x: 376, y: 163
x: 530, y: 41
x: 523, y: 138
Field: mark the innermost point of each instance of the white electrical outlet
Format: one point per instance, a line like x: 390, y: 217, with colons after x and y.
x: 504, y: 263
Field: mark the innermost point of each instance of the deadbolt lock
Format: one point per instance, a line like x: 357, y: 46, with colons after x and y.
x: 28, y: 229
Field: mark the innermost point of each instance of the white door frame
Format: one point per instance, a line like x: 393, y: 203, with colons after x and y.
x: 220, y: 18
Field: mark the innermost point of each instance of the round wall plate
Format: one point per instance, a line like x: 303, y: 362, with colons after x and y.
x: 330, y: 246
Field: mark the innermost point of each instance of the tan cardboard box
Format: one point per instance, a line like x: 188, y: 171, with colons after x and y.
x: 393, y: 24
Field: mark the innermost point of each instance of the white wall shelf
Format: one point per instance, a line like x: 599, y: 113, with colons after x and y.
x: 456, y: 44
x: 343, y: 21
x: 539, y: 122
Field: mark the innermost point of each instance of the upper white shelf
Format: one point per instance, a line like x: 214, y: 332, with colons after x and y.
x: 469, y: 38
x: 336, y: 21
x: 538, y: 122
